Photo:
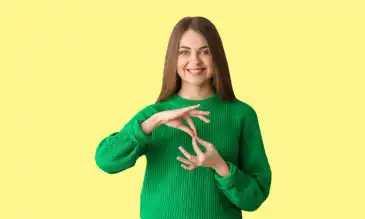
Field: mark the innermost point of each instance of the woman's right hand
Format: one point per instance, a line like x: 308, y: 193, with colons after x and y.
x: 174, y: 118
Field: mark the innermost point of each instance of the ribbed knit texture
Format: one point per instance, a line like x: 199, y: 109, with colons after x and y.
x: 172, y: 192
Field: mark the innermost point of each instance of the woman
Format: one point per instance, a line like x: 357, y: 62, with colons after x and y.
x: 204, y: 150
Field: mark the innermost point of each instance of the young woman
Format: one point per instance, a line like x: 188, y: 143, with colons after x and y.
x: 204, y: 150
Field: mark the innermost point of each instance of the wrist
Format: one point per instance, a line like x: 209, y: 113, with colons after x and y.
x: 221, y: 168
x: 150, y: 124
x: 157, y: 119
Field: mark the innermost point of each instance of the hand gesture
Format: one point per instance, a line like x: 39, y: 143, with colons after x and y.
x: 210, y: 158
x: 174, y: 118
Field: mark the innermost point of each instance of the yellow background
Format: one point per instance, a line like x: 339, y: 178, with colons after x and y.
x: 73, y: 72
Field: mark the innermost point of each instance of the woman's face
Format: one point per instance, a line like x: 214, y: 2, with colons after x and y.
x: 194, y: 63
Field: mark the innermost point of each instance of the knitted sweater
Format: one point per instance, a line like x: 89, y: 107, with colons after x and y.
x: 172, y: 192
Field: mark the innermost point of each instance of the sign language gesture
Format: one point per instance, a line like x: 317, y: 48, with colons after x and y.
x: 210, y: 158
x: 174, y: 118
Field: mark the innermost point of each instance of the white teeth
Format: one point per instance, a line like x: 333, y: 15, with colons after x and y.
x: 195, y: 71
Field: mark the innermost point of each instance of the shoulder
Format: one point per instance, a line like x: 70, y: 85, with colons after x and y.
x: 153, y: 108
x: 242, y: 108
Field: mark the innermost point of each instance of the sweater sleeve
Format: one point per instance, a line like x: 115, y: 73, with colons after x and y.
x: 120, y: 150
x: 248, y: 184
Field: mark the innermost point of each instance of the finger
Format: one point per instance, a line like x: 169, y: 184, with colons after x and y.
x: 187, y: 154
x: 186, y: 129
x: 202, y: 118
x: 182, y: 111
x: 185, y: 161
x: 199, y: 112
x: 196, y: 147
x: 188, y: 167
x: 204, y: 143
x: 191, y: 124
x: 191, y: 108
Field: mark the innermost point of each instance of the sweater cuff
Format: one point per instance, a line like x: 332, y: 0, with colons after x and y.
x: 227, y: 181
x: 141, y: 138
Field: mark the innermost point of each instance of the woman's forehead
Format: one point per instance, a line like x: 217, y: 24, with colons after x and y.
x: 193, y: 40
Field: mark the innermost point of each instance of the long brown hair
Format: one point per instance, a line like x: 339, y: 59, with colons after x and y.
x: 171, y: 82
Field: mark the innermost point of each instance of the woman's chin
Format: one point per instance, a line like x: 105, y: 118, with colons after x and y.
x: 196, y: 81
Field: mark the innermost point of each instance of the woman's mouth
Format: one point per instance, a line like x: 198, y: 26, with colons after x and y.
x: 195, y: 70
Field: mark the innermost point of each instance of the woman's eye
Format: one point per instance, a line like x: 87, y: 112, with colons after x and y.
x: 182, y: 52
x: 206, y: 52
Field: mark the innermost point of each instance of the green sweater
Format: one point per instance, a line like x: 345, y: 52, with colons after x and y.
x: 172, y: 192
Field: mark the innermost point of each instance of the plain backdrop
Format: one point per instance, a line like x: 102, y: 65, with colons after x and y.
x: 73, y: 72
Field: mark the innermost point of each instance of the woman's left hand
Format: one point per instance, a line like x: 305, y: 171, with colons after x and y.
x: 210, y: 158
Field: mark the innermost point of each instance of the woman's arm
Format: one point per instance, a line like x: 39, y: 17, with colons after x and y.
x: 248, y: 184
x: 120, y: 150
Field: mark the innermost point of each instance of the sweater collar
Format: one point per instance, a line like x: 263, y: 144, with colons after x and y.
x: 207, y: 102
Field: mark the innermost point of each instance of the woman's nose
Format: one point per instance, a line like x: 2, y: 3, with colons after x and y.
x: 194, y: 57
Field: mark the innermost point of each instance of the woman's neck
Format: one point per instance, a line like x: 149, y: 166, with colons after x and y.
x: 193, y: 92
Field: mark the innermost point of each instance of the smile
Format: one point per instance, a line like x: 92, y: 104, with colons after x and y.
x: 195, y: 71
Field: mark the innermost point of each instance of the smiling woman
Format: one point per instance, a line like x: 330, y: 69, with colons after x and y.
x: 195, y: 60
x: 197, y: 167
x: 194, y: 63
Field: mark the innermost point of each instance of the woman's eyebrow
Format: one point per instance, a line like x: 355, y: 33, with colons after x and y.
x: 185, y: 47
